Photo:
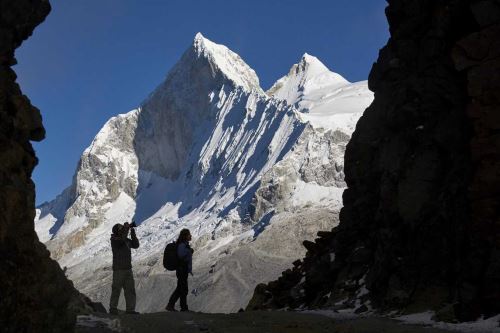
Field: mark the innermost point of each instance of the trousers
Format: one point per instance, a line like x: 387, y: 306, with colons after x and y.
x: 181, y: 291
x: 123, y: 279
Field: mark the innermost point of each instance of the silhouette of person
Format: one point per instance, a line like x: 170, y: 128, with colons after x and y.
x: 122, y: 267
x: 184, y: 267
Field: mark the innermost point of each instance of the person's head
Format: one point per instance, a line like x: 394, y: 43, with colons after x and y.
x: 184, y: 236
x: 118, y: 229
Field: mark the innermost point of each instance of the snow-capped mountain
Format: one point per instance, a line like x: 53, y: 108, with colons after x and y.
x: 250, y: 173
x: 325, y: 99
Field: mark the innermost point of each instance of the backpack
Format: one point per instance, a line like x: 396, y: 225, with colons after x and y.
x: 170, y: 259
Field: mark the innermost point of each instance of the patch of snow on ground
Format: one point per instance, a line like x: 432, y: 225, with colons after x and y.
x: 340, y: 314
x: 98, y: 322
x: 312, y: 193
x: 481, y: 325
x: 490, y: 325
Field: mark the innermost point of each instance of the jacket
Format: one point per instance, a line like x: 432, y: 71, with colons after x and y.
x: 121, y: 245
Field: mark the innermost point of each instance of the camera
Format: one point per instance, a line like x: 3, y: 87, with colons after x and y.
x: 130, y: 225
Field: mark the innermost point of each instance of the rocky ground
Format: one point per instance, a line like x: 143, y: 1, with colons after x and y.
x: 223, y: 282
x: 245, y: 322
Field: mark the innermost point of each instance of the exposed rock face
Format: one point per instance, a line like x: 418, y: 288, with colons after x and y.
x: 421, y: 223
x: 35, y: 296
x: 477, y: 56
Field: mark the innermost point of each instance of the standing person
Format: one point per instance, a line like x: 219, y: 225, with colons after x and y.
x: 184, y: 267
x: 122, y: 267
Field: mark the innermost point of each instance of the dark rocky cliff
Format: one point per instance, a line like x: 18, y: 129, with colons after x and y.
x: 420, y: 227
x: 35, y: 296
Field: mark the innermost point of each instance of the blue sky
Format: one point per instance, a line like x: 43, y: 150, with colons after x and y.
x: 91, y: 60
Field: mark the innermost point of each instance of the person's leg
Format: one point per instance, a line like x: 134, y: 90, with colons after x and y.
x: 116, y: 288
x: 175, y: 295
x: 129, y: 290
x: 183, y: 291
x: 173, y: 298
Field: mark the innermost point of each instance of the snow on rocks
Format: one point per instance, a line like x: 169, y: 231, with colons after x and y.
x: 324, y: 98
x: 228, y: 62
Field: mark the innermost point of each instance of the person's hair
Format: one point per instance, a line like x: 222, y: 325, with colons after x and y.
x: 183, y: 236
x: 116, y: 228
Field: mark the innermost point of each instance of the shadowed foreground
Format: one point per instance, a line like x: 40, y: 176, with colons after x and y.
x: 250, y: 322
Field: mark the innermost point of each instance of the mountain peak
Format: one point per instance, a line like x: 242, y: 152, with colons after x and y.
x: 198, y: 36
x: 306, y: 57
x: 227, y: 62
x: 305, y: 77
x: 311, y: 64
x: 199, y: 42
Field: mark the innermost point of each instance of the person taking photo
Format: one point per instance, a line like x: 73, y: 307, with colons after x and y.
x: 122, y: 267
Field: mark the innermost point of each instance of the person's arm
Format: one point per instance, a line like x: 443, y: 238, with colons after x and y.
x: 190, y: 262
x: 134, y: 242
x: 118, y: 241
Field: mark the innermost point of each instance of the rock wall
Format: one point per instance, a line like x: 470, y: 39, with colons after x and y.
x: 35, y: 296
x: 477, y: 57
x: 420, y: 227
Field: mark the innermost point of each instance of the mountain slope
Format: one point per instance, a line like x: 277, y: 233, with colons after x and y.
x: 210, y: 151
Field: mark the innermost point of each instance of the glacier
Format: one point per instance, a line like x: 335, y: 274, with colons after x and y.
x: 251, y: 173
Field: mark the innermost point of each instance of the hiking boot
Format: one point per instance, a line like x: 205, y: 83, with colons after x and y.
x: 132, y: 312
x: 113, y: 311
x: 170, y: 308
x: 185, y: 310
